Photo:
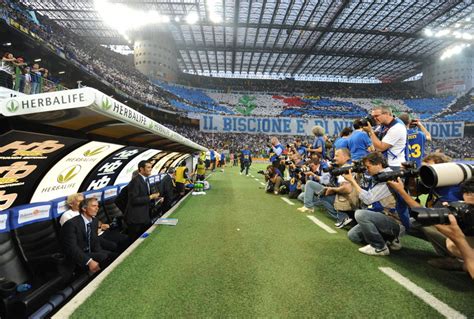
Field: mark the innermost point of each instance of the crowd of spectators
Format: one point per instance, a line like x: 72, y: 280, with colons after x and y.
x: 462, y: 148
x: 334, y: 89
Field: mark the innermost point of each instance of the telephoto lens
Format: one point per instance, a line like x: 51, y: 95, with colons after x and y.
x: 445, y: 174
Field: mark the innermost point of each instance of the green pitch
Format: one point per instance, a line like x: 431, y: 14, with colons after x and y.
x: 238, y: 252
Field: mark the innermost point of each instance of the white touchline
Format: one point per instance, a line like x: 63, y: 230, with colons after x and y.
x: 262, y: 183
x: 257, y: 179
x: 431, y: 300
x: 289, y: 202
x: 321, y: 224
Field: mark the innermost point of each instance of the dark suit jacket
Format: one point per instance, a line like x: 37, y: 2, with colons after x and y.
x: 167, y: 191
x: 74, y: 241
x: 139, y: 204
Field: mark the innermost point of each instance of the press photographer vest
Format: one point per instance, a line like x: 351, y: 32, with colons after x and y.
x: 383, y: 132
x: 347, y: 202
x: 386, y: 205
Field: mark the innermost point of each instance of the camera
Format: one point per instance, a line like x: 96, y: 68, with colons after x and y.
x: 356, y: 167
x: 463, y: 212
x: 262, y: 172
x: 413, y: 124
x: 445, y: 174
x: 409, y: 170
x: 302, y: 169
x: 368, y: 119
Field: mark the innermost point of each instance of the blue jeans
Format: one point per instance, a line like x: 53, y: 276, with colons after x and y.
x: 371, y: 228
x: 311, y: 199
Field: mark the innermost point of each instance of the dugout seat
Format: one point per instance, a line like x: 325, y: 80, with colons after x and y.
x: 13, y: 271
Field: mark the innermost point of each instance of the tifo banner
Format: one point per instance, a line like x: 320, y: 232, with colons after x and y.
x: 24, y: 159
x: 67, y: 175
x: 302, y: 126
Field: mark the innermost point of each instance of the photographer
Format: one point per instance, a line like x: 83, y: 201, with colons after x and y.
x: 275, y: 153
x: 380, y: 218
x: 417, y: 136
x: 359, y: 142
x: 390, y: 137
x: 330, y: 196
x: 300, y: 148
x: 446, y: 247
x: 245, y: 160
x: 319, y: 144
x: 273, y: 178
x: 296, y: 168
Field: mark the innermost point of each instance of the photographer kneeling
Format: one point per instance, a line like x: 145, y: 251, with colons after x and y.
x: 380, y: 218
x: 273, y: 178
x: 330, y: 197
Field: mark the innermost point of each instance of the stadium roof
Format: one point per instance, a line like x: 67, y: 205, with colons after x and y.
x: 381, y: 40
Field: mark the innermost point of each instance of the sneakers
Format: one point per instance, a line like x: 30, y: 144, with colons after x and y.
x: 275, y: 192
x: 305, y: 209
x: 372, y: 251
x: 394, y: 244
x: 343, y: 223
x: 240, y: 173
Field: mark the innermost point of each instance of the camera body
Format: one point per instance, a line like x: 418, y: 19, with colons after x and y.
x: 356, y: 167
x: 463, y: 212
x: 368, y: 119
x: 409, y: 170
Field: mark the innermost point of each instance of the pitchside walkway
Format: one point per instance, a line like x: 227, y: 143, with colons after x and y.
x: 238, y: 252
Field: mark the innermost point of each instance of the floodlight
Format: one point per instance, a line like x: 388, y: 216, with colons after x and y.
x: 428, y: 32
x: 192, y: 17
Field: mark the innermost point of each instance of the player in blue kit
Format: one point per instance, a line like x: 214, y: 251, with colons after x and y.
x: 417, y: 136
x: 245, y: 160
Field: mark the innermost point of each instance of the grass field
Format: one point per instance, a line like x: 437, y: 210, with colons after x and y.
x: 238, y: 252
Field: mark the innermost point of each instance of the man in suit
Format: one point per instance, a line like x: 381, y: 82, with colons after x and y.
x: 168, y: 189
x: 140, y: 199
x: 80, y: 241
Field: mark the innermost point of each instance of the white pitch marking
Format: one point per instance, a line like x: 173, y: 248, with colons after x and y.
x: 256, y: 179
x: 261, y: 183
x: 289, y: 202
x: 321, y: 224
x: 431, y: 300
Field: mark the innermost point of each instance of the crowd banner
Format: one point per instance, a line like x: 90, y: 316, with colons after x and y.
x: 302, y: 126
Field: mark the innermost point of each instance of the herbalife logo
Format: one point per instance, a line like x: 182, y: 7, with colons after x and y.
x: 106, y: 105
x: 96, y: 151
x: 150, y: 126
x: 69, y: 173
x: 13, y: 106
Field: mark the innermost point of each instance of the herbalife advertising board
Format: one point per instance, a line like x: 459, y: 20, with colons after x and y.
x: 115, y: 109
x: 125, y: 174
x: 67, y: 175
x: 24, y: 158
x: 107, y: 171
x: 46, y: 102
x: 179, y: 160
x: 157, y: 167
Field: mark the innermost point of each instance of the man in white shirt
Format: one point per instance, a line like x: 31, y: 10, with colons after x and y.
x: 73, y: 201
x: 390, y: 137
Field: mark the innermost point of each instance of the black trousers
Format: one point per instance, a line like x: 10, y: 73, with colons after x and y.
x: 136, y: 230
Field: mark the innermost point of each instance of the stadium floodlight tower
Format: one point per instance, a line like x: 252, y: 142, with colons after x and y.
x: 155, y: 53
